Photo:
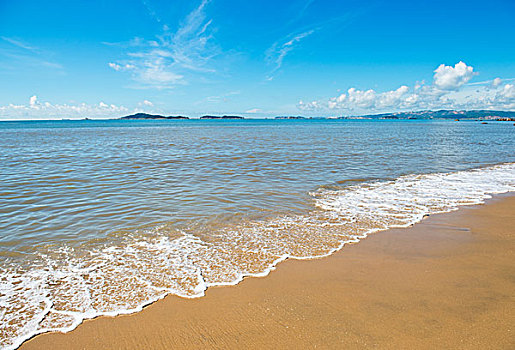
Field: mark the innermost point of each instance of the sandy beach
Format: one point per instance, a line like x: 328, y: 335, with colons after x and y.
x: 447, y: 282
x: 257, y: 175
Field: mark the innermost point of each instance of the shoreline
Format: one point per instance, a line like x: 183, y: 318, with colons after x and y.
x: 284, y: 309
x: 473, y: 190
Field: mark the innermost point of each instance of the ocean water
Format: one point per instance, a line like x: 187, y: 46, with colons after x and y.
x: 104, y: 217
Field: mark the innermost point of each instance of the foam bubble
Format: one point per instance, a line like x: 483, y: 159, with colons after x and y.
x: 62, y: 287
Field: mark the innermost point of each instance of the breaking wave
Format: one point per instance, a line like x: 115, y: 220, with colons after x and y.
x: 61, y: 286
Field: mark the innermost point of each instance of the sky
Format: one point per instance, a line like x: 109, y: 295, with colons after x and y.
x: 104, y: 59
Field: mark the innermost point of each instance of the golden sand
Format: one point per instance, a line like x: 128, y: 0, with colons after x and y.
x: 445, y: 283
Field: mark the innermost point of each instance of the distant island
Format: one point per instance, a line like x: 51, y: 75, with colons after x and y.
x: 440, y: 114
x: 222, y: 117
x: 146, y: 116
x: 138, y: 116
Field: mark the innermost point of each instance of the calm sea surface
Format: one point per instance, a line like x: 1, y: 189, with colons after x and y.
x: 103, y: 217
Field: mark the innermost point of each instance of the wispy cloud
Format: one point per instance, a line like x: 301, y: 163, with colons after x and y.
x: 167, y: 60
x: 225, y: 97
x: 300, y: 12
x: 20, y: 44
x: 21, y: 52
x: 151, y: 11
x: 278, y: 52
x: 492, y: 82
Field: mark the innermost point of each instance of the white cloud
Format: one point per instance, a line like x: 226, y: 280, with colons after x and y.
x: 47, y: 110
x: 155, y: 73
x: 369, y: 99
x: 449, y: 90
x: 506, y: 96
x: 496, y: 82
x: 115, y: 66
x: 312, y: 106
x: 253, y: 110
x: 392, y: 98
x: 361, y: 98
x: 33, y: 100
x: 452, y: 78
x: 501, y: 98
x: 168, y: 60
x: 148, y: 103
x: 508, y: 92
x: 400, y: 98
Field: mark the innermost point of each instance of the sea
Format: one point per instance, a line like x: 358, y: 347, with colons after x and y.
x: 103, y: 217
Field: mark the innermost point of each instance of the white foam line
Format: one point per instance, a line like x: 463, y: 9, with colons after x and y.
x: 80, y: 317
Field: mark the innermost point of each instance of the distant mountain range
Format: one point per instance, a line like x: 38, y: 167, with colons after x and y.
x: 441, y: 114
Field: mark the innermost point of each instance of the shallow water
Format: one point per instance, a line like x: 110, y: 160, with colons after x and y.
x: 103, y: 217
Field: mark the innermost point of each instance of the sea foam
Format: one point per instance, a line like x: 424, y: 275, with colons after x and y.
x: 62, y: 286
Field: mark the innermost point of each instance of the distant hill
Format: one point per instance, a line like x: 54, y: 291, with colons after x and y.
x: 151, y: 116
x: 442, y: 114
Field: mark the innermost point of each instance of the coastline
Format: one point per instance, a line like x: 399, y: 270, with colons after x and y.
x: 444, y: 282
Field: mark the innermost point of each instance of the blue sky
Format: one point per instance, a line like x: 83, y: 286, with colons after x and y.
x: 71, y: 59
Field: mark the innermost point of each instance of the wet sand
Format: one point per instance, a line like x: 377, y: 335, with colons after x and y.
x: 447, y: 282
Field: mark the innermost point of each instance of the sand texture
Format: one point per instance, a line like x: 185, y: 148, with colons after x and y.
x: 445, y: 283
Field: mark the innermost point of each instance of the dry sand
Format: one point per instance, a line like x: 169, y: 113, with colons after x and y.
x: 446, y: 283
